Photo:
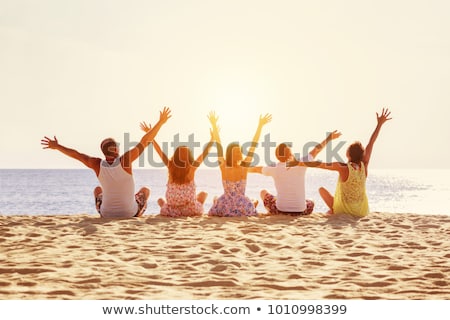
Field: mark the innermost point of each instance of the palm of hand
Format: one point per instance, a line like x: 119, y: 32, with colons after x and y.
x: 335, y: 134
x: 265, y: 120
x: 384, y: 116
x: 145, y: 127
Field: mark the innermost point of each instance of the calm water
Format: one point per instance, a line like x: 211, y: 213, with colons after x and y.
x: 35, y: 191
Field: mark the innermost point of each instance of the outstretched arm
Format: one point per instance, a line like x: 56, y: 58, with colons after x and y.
x: 146, y: 128
x: 90, y: 162
x: 205, y: 152
x: 331, y: 136
x: 257, y: 169
x: 213, y: 118
x: 381, y: 119
x: 163, y: 156
x: 135, y: 152
x: 333, y: 166
x: 262, y: 121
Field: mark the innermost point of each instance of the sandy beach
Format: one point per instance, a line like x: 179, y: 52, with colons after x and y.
x: 383, y: 256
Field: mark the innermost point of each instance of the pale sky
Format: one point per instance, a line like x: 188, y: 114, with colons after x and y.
x: 86, y: 70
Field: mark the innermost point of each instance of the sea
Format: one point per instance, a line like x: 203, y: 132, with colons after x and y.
x: 70, y: 191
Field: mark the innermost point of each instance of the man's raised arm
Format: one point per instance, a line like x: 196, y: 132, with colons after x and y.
x: 135, y: 152
x: 90, y: 162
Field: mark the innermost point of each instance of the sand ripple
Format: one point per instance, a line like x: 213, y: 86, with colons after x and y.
x: 383, y: 256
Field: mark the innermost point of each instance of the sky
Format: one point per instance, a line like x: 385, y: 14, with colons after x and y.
x: 89, y: 69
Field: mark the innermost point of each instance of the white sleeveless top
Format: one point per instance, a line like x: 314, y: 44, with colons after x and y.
x: 118, y: 191
x: 290, y: 185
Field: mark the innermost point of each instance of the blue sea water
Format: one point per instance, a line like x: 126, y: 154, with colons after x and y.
x: 70, y: 191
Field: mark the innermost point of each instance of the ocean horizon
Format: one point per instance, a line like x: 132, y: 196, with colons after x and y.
x: 70, y: 191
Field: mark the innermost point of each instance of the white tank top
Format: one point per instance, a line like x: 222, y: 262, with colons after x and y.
x: 118, y: 191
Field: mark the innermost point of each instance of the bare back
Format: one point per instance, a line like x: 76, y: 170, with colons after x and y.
x: 235, y: 173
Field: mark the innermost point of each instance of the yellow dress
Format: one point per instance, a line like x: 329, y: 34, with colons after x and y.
x: 350, y: 196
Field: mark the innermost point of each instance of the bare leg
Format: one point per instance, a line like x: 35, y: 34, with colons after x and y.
x: 255, y: 203
x: 327, y: 197
x: 201, y: 197
x: 145, y: 191
x: 161, y: 202
x: 98, y: 190
x: 141, y: 197
x: 263, y: 194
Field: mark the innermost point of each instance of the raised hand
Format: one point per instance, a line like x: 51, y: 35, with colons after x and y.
x: 265, y: 119
x: 145, y: 127
x: 384, y: 116
x: 164, y: 115
x: 334, y: 135
x: 213, y: 118
x: 49, y: 143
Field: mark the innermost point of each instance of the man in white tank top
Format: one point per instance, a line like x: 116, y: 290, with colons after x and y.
x: 290, y: 181
x: 115, y: 197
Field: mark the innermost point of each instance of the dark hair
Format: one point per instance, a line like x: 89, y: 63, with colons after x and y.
x: 106, y: 144
x: 229, y: 153
x: 280, y: 152
x: 355, y: 152
x: 178, y: 167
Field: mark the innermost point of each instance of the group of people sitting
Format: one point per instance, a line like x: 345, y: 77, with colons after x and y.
x: 116, y: 197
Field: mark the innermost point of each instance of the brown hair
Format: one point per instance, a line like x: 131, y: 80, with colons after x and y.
x: 355, y: 152
x: 180, y: 165
x: 229, y: 156
x: 106, y: 144
x: 280, y: 152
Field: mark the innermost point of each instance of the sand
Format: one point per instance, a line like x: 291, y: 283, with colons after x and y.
x: 383, y: 256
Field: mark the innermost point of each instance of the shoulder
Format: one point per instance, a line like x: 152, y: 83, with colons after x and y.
x: 94, y: 162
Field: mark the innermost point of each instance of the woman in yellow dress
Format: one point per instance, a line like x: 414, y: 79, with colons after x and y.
x: 350, y: 195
